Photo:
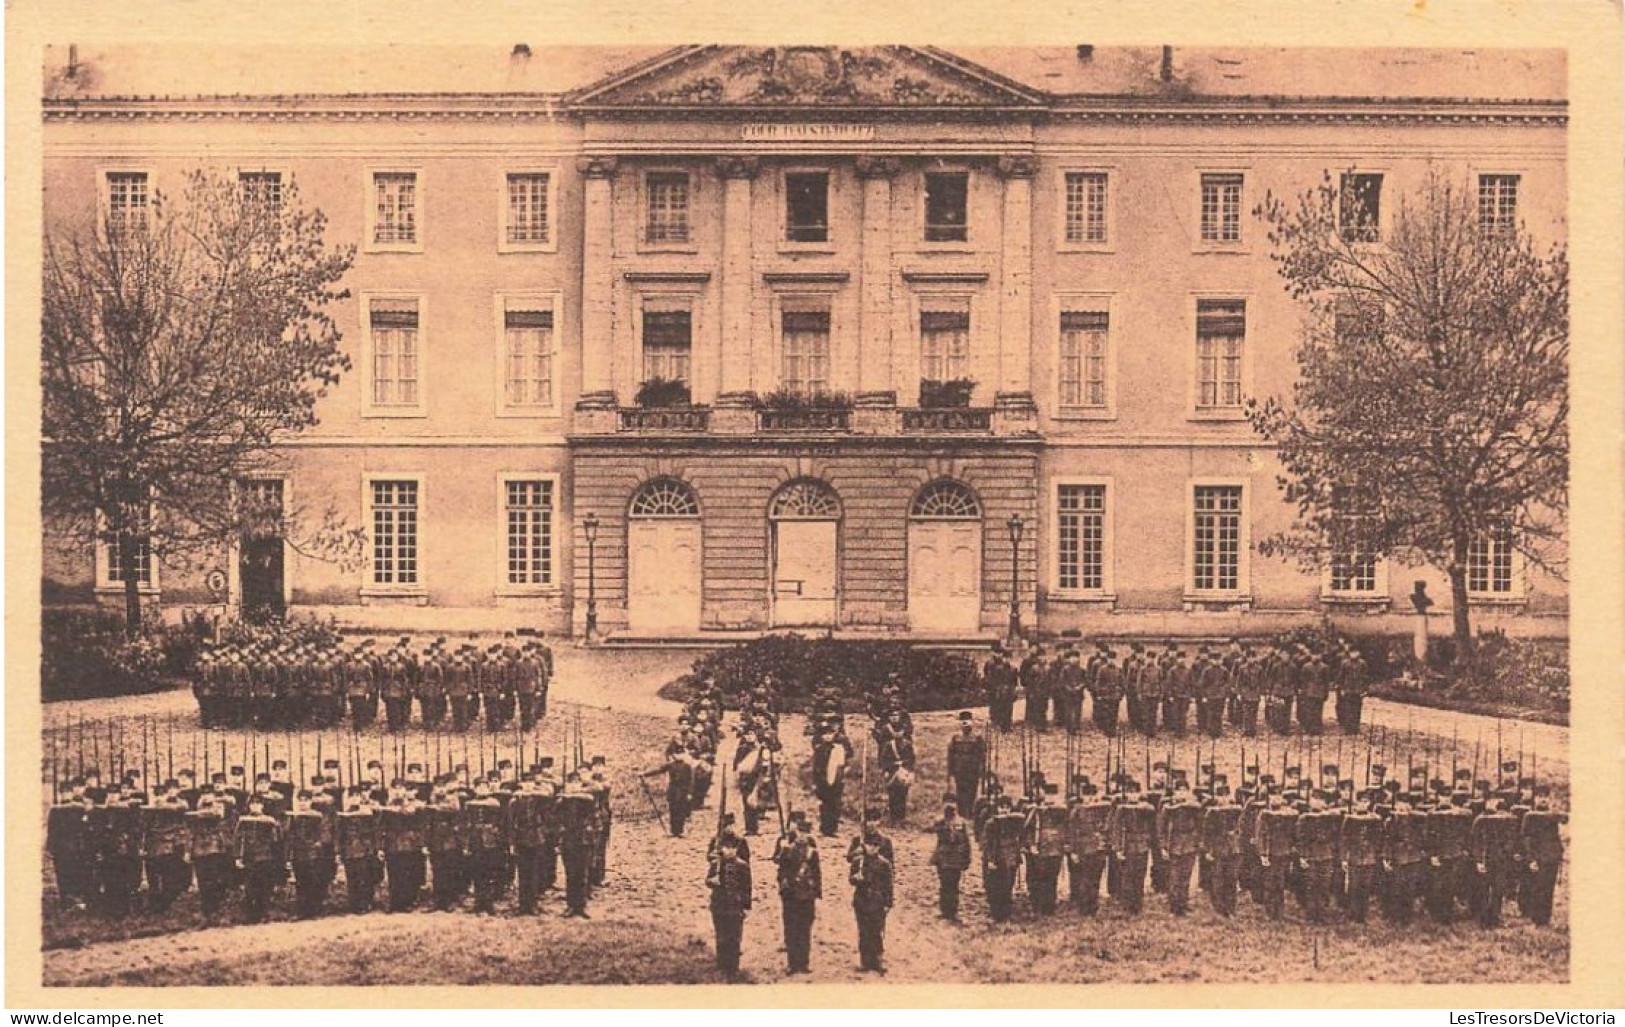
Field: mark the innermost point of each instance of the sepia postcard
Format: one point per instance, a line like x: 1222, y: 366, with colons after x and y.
x: 934, y: 505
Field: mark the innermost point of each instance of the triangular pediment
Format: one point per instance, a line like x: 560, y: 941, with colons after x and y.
x: 779, y: 77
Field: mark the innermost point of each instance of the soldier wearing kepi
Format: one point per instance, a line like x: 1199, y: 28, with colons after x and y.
x: 951, y: 857
x: 1133, y: 833
x: 1221, y: 847
x: 1179, y: 834
x: 1088, y: 820
x: 832, y: 751
x: 679, y: 773
x: 575, y: 812
x: 730, y: 885
x: 801, y: 885
x: 999, y: 678
x: 67, y: 841
x: 870, y: 874
x: 209, y: 844
x: 168, y: 875
x: 1541, y: 845
x: 1494, y: 842
x: 1001, y: 857
x: 261, y: 857
x: 359, y: 850
x: 487, y: 848
x: 312, y: 851
x: 1276, y: 844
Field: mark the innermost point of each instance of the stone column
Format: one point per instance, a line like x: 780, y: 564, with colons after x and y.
x: 1015, y: 390
x: 598, y: 286
x: 875, y: 385
x: 738, y: 352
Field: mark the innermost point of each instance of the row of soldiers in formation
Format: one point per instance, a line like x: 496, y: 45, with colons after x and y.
x: 277, y: 680
x: 1444, y: 844
x: 443, y: 836
x: 1161, y: 686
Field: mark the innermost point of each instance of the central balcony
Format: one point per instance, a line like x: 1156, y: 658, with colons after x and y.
x: 866, y: 415
x: 816, y: 420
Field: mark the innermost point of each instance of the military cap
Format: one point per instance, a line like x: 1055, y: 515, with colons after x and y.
x: 966, y: 716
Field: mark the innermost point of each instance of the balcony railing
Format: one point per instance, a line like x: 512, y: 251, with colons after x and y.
x: 948, y: 420
x: 665, y: 419
x: 804, y: 420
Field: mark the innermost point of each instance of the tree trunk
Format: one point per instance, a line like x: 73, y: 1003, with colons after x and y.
x: 132, y: 586
x: 1459, y: 613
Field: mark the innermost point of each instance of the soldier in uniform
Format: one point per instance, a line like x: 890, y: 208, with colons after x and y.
x: 1361, y: 846
x: 730, y: 885
x: 401, y: 827
x: 1107, y: 693
x: 951, y: 857
x: 1221, y: 850
x: 1001, y: 857
x: 575, y: 812
x: 488, y: 864
x: 1541, y: 849
x: 1088, y: 820
x: 895, y: 752
x: 801, y: 885
x: 1312, y: 692
x: 1044, y: 837
x: 1494, y: 851
x: 261, y: 857
x: 1133, y: 833
x: 1179, y: 838
x: 432, y: 685
x: 597, y: 783
x: 999, y: 678
x: 1176, y: 679
x: 1148, y: 686
x: 1279, y: 686
x: 527, y: 684
x: 679, y: 773
x: 967, y: 762
x: 870, y: 863
x: 832, y: 751
x: 459, y: 687
x: 448, y: 856
x: 1277, y: 848
x: 168, y: 874
x: 312, y: 850
x: 1248, y: 683
x: 528, y: 813
x: 117, y: 828
x: 1035, y: 688
x: 1447, y: 837
x: 1317, y: 854
x: 359, y: 850
x: 67, y: 842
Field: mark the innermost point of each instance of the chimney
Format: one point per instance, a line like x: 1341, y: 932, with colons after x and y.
x: 73, y: 60
x: 1167, y: 64
x: 1086, y: 53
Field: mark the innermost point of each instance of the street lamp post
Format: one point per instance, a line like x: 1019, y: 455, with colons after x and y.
x: 1015, y: 525
x: 589, y: 525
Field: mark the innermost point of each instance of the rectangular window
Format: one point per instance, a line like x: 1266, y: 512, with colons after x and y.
x: 1216, y: 556
x: 127, y: 201
x: 528, y: 340
x: 1498, y: 204
x: 946, y: 198
x: 394, y: 532
x: 1359, y: 213
x: 668, y: 344
x: 667, y: 198
x: 261, y: 188
x: 1221, y: 330
x: 1085, y: 206
x: 1489, y: 564
x: 806, y: 351
x: 806, y: 203
x: 394, y: 327
x: 395, y: 208
x: 529, y: 511
x: 143, y: 562
x: 528, y: 213
x: 945, y: 340
x: 1081, y: 538
x: 1083, y: 359
x: 1221, y: 208
x: 1353, y: 565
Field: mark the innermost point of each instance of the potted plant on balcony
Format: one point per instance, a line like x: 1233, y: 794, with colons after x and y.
x: 790, y: 401
x: 663, y: 393
x: 952, y: 394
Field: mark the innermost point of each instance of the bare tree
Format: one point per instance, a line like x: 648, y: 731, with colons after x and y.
x: 182, y: 342
x: 1431, y: 409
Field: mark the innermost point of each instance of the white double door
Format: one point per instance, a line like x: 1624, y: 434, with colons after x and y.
x: 945, y: 576
x: 663, y: 576
x: 804, y: 577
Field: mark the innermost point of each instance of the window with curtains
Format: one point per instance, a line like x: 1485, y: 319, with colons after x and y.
x: 945, y: 340
x: 668, y: 344
x: 805, y: 343
x: 1216, y: 541
x: 393, y: 324
x: 528, y: 343
x: 1221, y: 332
x: 1083, y: 359
x: 528, y: 508
x: 666, y: 197
x: 1086, y: 206
x: 394, y: 532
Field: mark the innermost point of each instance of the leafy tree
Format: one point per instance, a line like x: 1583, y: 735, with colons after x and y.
x: 1431, y: 409
x: 181, y: 344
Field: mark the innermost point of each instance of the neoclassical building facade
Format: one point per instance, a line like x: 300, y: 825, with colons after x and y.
x: 871, y: 340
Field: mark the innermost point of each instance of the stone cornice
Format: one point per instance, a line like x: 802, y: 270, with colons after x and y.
x: 1061, y: 109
